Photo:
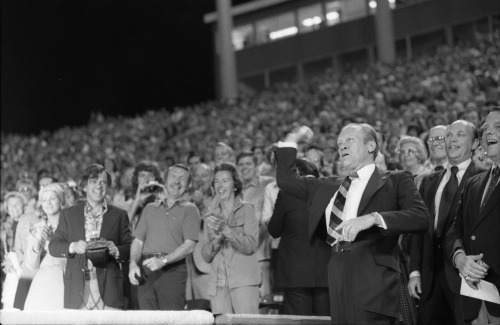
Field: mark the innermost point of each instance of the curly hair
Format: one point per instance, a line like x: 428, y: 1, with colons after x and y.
x: 147, y: 166
x: 231, y: 168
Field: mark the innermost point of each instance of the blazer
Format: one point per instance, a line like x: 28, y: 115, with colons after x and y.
x: 375, y: 252
x: 422, y: 248
x: 238, y: 252
x: 298, y: 265
x: 71, y: 228
x: 476, y: 231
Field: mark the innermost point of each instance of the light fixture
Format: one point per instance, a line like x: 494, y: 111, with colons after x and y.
x: 283, y: 32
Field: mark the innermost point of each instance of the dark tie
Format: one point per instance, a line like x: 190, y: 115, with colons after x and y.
x: 438, y: 168
x: 446, y: 199
x: 337, y: 209
x: 493, y: 183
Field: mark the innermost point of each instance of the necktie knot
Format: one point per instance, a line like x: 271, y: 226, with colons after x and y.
x: 454, y: 170
x: 354, y: 175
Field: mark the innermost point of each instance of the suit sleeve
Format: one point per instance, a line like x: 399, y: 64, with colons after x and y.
x: 412, y: 215
x: 417, y: 240
x: 59, y: 244
x: 287, y: 178
x: 125, y: 237
x: 275, y: 226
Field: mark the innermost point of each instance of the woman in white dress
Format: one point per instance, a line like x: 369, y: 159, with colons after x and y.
x: 47, y: 289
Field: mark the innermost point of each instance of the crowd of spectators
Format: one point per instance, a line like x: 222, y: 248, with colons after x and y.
x: 460, y: 81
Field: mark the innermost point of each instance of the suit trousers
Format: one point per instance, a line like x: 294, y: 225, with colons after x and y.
x: 344, y: 308
x: 441, y: 306
x: 164, y: 289
x: 306, y: 301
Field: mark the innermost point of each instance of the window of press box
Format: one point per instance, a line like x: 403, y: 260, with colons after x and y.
x: 243, y: 36
x: 310, y: 18
x: 275, y: 27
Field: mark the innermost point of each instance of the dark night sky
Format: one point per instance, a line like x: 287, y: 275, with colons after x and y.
x: 63, y: 59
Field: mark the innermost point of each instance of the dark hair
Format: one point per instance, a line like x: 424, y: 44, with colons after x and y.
x: 244, y: 154
x: 92, y: 172
x: 181, y: 166
x: 194, y: 154
x: 147, y: 166
x: 306, y: 167
x: 231, y: 168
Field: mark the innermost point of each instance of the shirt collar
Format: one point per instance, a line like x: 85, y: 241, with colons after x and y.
x: 88, y: 207
x: 254, y: 182
x: 366, y: 171
x: 462, y: 166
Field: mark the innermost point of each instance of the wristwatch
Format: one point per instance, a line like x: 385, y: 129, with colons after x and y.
x: 164, y: 260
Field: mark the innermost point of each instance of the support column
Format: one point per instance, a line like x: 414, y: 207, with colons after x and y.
x: 384, y: 27
x: 227, y: 59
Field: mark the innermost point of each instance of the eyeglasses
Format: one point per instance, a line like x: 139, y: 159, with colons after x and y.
x: 439, y: 139
x: 410, y: 152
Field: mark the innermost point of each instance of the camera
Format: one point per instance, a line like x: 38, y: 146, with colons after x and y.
x: 153, y: 187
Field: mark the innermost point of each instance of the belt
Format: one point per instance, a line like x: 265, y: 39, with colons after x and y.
x: 342, y: 246
x: 157, y: 255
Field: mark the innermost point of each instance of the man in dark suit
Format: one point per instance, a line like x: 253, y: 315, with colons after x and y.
x: 473, y: 242
x: 87, y: 286
x: 361, y: 217
x: 438, y: 290
x: 300, y: 267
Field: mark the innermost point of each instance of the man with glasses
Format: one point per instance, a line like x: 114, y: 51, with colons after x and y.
x: 437, y: 153
x: 433, y: 281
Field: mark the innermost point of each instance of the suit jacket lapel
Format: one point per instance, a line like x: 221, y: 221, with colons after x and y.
x: 106, y: 224
x: 80, y: 223
x: 492, y: 201
x: 433, y: 185
x: 374, y: 184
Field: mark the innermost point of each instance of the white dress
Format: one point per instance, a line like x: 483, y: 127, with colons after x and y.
x: 47, y: 289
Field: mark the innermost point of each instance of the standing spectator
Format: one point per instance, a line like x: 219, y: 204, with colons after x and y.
x: 412, y: 156
x: 165, y: 235
x: 93, y: 284
x: 438, y: 159
x: 49, y: 269
x: 471, y: 241
x: 11, y: 270
x: 300, y: 268
x: 253, y: 192
x: 231, y: 246
x: 363, y: 270
x: 430, y: 279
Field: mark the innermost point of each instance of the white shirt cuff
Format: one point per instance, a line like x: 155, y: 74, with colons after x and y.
x: 414, y: 274
x: 289, y: 144
x: 382, y: 221
x: 455, y: 254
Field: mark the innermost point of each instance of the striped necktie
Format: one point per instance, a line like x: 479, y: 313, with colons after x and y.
x: 336, y: 216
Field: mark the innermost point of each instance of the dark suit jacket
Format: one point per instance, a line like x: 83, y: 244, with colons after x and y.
x: 476, y: 231
x: 299, y: 264
x: 422, y: 248
x: 376, y: 255
x: 71, y: 228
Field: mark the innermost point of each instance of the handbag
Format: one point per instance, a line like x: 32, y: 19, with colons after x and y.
x: 97, y: 252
